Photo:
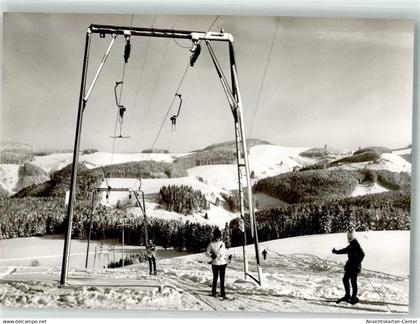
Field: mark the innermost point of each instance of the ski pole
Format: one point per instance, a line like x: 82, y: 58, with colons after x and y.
x: 380, y: 296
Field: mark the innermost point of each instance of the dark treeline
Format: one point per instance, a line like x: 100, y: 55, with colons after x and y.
x: 40, y: 216
x: 145, y: 170
x: 383, y: 211
x: 40, y: 210
x: 207, y: 157
x: 30, y: 174
x: 393, y: 180
x: 308, y: 186
x: 24, y: 217
x: 107, y: 224
x: 3, y: 193
x: 367, y: 156
x: 30, y: 217
x: 16, y: 156
x: 376, y: 149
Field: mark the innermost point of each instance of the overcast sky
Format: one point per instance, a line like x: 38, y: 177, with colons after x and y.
x: 341, y: 82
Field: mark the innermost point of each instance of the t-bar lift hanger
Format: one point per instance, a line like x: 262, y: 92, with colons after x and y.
x: 121, y: 110
x: 120, y: 107
x: 174, y: 117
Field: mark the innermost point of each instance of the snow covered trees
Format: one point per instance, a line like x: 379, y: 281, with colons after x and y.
x: 382, y: 211
x: 309, y: 186
x: 182, y: 199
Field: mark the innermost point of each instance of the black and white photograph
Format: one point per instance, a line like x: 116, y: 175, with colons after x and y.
x: 206, y: 163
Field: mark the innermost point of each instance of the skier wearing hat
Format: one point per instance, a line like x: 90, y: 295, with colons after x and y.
x: 352, y: 267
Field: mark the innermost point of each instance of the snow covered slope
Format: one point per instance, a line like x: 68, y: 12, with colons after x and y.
x: 297, y: 278
x: 392, y: 260
x: 58, y: 161
x: 9, y: 176
x: 394, y: 163
x: 271, y: 160
x: 388, y: 161
x: 264, y: 160
x: 402, y: 152
x: 224, y: 176
x: 367, y: 189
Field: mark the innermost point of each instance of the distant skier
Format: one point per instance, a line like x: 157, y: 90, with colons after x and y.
x: 217, y: 251
x: 151, y: 256
x: 352, y: 267
x: 264, y: 254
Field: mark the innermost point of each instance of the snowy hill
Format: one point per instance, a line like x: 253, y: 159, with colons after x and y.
x: 9, y: 145
x: 367, y: 189
x: 224, y: 176
x: 216, y: 179
x: 265, y: 160
x: 9, y: 176
x: 387, y: 161
x: 300, y: 275
x: 372, y: 242
x: 58, y: 161
x: 402, y: 151
x: 393, y: 162
x: 270, y: 160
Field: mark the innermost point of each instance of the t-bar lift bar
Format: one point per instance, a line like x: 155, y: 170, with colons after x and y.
x: 235, y: 102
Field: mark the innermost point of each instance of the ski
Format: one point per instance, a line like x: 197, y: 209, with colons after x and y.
x: 365, y: 302
x: 226, y: 298
x: 343, y: 299
x: 221, y: 298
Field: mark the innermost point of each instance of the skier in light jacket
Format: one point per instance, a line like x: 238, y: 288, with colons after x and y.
x: 352, y: 267
x: 217, y: 251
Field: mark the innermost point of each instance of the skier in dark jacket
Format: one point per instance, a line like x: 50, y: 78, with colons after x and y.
x: 352, y: 267
x: 264, y: 254
x: 151, y: 256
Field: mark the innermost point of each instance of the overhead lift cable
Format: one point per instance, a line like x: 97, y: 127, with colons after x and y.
x: 176, y: 42
x: 165, y: 53
x: 195, y: 53
x: 257, y: 105
x: 170, y: 106
x: 140, y: 78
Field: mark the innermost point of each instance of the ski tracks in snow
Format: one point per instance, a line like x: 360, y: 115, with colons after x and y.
x: 293, y: 283
x: 201, y: 292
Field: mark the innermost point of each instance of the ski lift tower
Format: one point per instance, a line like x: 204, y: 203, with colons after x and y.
x: 233, y: 95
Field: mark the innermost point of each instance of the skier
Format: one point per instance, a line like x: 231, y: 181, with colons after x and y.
x: 352, y: 267
x: 151, y: 256
x: 217, y: 251
x: 264, y: 254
